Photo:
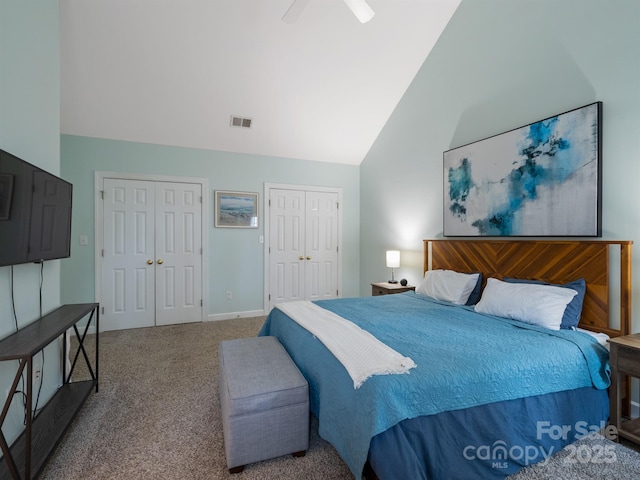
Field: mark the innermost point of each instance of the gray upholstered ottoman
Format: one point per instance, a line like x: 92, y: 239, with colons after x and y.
x: 264, y: 400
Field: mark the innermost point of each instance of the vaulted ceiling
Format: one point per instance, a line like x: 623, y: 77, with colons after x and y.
x: 173, y: 72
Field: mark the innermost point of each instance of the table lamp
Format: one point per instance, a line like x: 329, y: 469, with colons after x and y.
x: 393, y: 261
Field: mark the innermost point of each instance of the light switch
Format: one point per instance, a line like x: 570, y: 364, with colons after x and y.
x: 261, y: 239
x: 84, y: 240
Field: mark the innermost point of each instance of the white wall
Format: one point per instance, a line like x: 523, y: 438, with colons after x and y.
x: 498, y: 65
x: 29, y: 129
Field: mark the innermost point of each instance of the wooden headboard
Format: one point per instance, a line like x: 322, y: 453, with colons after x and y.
x: 554, y: 261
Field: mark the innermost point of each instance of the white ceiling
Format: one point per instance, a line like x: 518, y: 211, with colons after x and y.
x: 172, y: 72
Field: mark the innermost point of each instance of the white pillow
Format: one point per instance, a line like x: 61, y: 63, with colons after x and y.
x: 537, y: 304
x: 448, y: 286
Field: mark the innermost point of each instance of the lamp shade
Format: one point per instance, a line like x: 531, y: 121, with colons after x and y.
x: 393, y: 258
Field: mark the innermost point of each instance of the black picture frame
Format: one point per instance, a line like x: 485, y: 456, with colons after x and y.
x: 543, y: 179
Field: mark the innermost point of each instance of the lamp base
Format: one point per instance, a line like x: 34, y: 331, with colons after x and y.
x: 393, y: 281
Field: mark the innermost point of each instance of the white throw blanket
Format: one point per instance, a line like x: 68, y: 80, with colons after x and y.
x: 362, y: 354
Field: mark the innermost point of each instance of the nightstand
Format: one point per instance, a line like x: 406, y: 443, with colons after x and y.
x: 625, y: 360
x: 386, y: 288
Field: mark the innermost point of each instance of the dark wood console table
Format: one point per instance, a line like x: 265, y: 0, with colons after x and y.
x: 29, y: 453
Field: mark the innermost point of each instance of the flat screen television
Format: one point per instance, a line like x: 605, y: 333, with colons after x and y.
x: 35, y: 213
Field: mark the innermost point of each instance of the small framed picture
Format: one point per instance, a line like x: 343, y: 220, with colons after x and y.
x: 236, y: 209
x: 6, y: 191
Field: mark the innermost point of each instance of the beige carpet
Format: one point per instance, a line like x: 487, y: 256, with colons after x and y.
x: 157, y: 413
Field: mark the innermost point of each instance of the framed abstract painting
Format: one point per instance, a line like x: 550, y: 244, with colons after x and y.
x: 543, y: 179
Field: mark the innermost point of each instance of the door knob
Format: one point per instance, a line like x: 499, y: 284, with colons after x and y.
x: 301, y: 257
x: 308, y: 258
x: 149, y: 262
x: 160, y: 262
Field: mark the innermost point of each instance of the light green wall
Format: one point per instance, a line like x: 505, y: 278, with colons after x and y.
x: 30, y: 129
x: 236, y: 260
x: 499, y: 65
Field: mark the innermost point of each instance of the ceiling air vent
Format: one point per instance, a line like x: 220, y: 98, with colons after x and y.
x: 241, y: 122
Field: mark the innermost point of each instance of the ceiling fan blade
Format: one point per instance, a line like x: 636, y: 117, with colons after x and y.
x: 295, y: 10
x: 360, y: 9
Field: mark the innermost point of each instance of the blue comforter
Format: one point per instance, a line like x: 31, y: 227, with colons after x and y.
x: 463, y: 359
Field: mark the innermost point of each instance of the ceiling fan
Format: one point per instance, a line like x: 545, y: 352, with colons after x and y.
x: 360, y: 9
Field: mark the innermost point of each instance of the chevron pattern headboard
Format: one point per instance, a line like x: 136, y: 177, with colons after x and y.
x: 554, y: 261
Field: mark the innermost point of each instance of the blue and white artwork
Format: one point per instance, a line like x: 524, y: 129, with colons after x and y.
x: 539, y: 180
x: 236, y: 209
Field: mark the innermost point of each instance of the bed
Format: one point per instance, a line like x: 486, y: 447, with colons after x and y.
x: 487, y: 395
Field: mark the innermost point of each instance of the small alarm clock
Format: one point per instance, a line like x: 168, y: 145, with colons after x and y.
x: 403, y: 282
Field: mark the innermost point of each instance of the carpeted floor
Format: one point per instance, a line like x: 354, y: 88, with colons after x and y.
x: 157, y: 416
x: 157, y: 413
x: 592, y: 457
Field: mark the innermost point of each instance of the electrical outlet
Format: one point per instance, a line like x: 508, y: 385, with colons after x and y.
x: 229, y: 295
x: 36, y: 374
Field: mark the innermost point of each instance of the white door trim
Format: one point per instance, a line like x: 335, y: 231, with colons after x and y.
x: 285, y: 186
x: 99, y: 177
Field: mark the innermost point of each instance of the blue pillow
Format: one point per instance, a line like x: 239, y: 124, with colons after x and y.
x: 572, y: 313
x: 474, y: 296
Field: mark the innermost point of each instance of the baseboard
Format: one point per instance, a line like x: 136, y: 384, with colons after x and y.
x: 231, y: 315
